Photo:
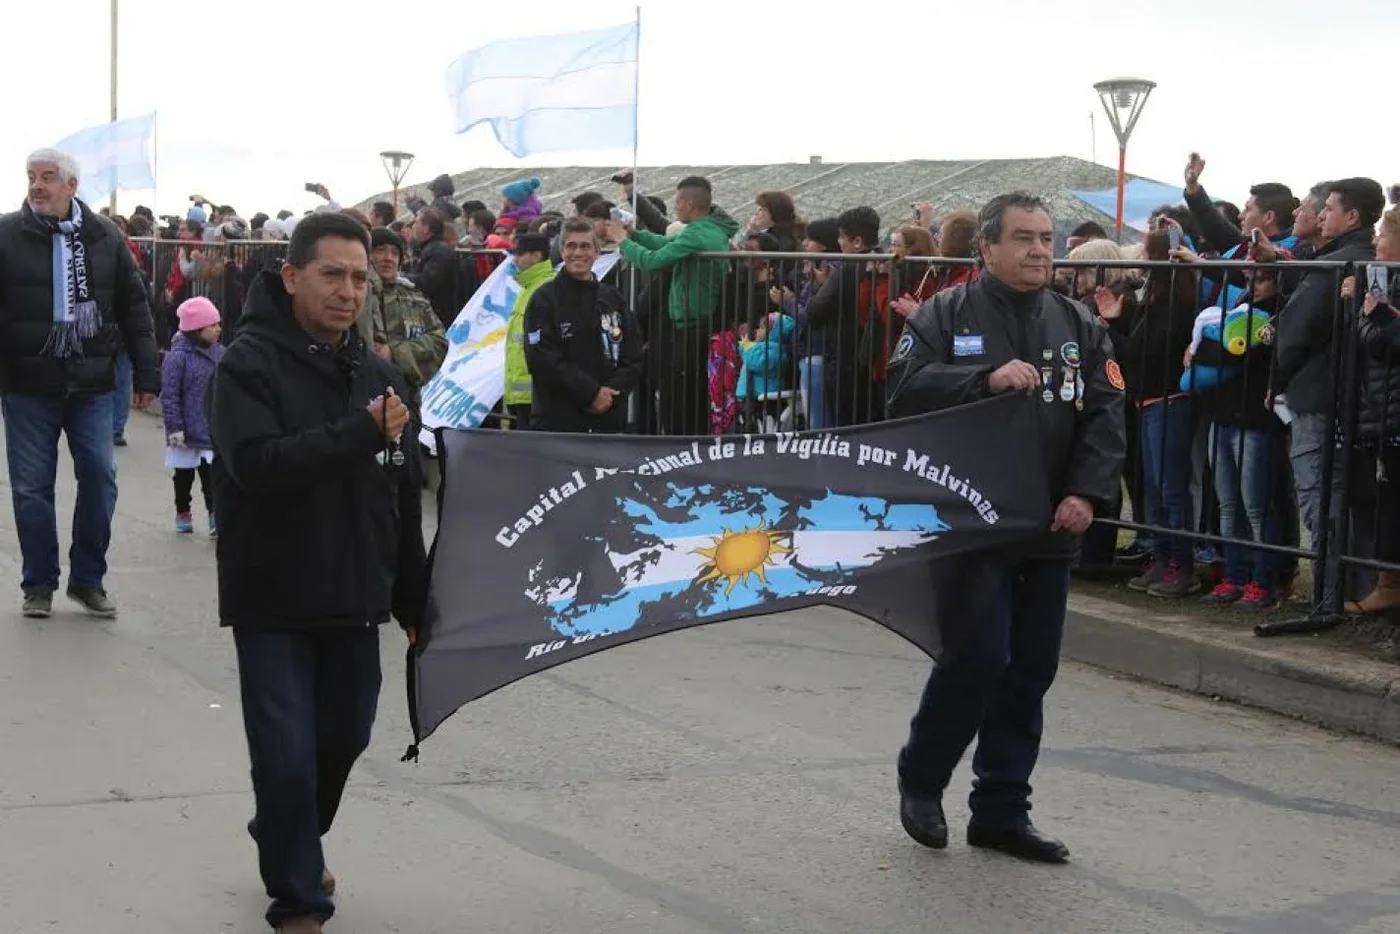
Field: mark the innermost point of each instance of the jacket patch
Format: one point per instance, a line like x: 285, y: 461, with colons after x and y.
x: 967, y: 345
x: 901, y: 350
x: 1115, y: 375
x: 533, y: 337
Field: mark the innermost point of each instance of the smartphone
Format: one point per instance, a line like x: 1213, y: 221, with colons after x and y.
x: 1256, y: 236
x: 312, y: 187
x: 621, y: 216
x: 1378, y: 281
x: 1173, y: 237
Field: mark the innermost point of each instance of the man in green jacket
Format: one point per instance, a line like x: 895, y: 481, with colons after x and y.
x: 693, y: 308
x: 407, y: 333
x: 532, y: 270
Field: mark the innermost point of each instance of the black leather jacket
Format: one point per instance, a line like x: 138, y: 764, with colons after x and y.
x: 951, y: 345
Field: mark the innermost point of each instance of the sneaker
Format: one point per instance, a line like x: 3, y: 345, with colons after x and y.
x: 1206, y: 554
x: 1258, y: 597
x: 1175, y: 583
x: 213, y: 526
x: 95, y: 601
x: 184, y: 523
x: 38, y: 604
x: 1224, y: 594
x: 1148, y: 578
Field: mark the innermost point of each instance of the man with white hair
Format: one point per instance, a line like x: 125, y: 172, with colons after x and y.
x: 70, y: 299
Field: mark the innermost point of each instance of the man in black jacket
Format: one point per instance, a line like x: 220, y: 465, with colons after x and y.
x: 1305, y: 367
x: 581, y: 344
x: 71, y: 298
x: 318, y: 494
x: 1003, y: 614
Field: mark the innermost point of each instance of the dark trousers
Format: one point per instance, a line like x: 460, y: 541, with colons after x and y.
x: 309, y: 700
x: 991, y: 684
x: 520, y: 415
x: 184, y: 487
x: 683, y: 378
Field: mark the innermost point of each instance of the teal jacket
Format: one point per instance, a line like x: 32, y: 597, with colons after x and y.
x: 697, y: 285
x: 767, y: 362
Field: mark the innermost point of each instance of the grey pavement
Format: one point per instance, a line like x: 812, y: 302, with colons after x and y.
x: 737, y: 778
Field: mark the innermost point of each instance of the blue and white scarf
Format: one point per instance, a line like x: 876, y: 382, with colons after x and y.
x: 75, y: 315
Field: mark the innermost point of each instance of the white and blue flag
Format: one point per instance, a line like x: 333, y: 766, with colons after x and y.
x: 112, y: 157
x: 551, y: 93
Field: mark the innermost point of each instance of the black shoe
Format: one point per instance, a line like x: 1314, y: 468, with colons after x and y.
x: 923, y: 820
x: 38, y: 604
x: 1022, y: 841
x: 95, y: 601
x: 119, y: 441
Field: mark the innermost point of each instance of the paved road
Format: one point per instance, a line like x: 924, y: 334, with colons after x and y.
x: 734, y: 779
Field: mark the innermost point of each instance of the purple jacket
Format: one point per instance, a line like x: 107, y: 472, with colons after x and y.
x: 184, y: 385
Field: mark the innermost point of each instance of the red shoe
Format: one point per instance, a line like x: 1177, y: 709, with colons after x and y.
x: 1258, y: 597
x: 1224, y: 594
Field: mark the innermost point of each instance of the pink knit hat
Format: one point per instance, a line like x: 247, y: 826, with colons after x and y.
x: 196, y: 314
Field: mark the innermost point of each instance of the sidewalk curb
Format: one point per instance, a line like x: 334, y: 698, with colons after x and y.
x: 1294, y: 677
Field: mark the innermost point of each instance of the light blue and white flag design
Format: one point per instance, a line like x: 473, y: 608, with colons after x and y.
x: 112, y: 157
x: 551, y: 93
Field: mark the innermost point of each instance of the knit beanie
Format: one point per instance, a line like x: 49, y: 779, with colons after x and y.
x: 441, y: 186
x: 517, y: 192
x: 383, y: 236
x: 196, y: 314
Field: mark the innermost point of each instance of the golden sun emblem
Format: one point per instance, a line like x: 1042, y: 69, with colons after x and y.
x: 735, y: 556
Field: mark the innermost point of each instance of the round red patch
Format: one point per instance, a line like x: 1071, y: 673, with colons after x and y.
x: 1115, y: 375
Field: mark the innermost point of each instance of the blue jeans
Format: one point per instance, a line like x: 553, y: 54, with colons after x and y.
x: 1166, y: 471
x: 991, y: 684
x: 1244, y: 482
x: 309, y: 700
x: 810, y: 372
x: 121, y: 396
x: 32, y: 427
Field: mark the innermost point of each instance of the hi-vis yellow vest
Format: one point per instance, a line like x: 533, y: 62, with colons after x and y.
x: 519, y: 389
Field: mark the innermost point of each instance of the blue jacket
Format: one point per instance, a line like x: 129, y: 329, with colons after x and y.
x: 766, y: 363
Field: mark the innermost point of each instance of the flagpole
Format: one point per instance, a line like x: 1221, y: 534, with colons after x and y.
x: 112, y: 81
x: 636, y: 109
x: 155, y: 166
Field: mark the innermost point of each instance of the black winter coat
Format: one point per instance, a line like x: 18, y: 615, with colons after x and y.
x: 435, y: 274
x: 26, y: 312
x: 1303, y: 347
x: 570, y: 358
x: 1379, y: 334
x: 1152, y: 354
x: 317, y: 526
x: 951, y: 345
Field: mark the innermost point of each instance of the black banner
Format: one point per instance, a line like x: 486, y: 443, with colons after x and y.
x: 554, y: 546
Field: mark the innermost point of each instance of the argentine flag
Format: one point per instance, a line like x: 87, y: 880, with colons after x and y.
x: 113, y: 157
x: 551, y: 93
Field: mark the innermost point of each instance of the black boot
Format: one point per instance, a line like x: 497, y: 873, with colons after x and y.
x: 1021, y: 840
x: 923, y: 819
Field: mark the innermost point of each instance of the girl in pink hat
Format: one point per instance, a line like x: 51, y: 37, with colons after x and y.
x: 185, y: 377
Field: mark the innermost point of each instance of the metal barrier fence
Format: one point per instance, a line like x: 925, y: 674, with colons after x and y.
x: 738, y: 342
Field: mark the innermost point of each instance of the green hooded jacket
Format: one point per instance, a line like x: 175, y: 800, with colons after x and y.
x: 519, y: 388
x: 697, y: 286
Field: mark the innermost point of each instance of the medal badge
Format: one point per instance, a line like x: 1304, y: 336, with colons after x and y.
x: 397, y: 457
x: 1067, y: 385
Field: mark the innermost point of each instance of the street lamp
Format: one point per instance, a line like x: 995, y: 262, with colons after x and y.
x: 1123, y: 100
x: 396, y: 164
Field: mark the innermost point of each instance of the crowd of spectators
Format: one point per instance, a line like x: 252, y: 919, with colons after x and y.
x: 1227, y: 432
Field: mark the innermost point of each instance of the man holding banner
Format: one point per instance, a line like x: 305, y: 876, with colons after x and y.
x: 582, y: 344
x: 1003, y: 612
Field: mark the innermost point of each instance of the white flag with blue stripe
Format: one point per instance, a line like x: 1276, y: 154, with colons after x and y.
x: 551, y: 93
x: 113, y: 157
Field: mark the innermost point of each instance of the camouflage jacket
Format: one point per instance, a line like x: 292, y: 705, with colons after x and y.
x: 406, y: 324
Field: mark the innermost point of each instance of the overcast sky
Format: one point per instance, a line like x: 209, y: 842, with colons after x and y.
x: 256, y: 97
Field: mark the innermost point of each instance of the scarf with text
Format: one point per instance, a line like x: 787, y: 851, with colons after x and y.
x: 75, y: 315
